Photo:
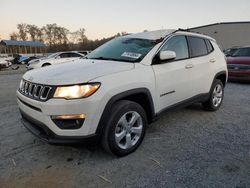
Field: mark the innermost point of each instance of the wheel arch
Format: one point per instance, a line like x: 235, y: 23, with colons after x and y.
x: 46, y: 64
x: 222, y: 76
x: 142, y: 96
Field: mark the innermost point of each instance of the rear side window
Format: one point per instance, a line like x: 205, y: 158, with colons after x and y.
x: 178, y: 44
x: 64, y: 55
x: 209, y: 46
x: 198, y: 46
x: 74, y: 55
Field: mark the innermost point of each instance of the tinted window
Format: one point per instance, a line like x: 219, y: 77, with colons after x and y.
x: 209, y: 46
x: 84, y: 53
x: 64, y: 55
x: 178, y: 44
x: 243, y: 52
x: 197, y: 46
x: 74, y: 55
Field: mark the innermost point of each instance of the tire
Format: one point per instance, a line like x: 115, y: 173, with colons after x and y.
x: 216, y: 96
x: 46, y: 64
x: 121, y: 135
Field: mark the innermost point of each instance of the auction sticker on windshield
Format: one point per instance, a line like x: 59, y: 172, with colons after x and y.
x: 131, y: 55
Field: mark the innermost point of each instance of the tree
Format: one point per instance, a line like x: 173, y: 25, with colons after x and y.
x: 34, y: 32
x: 82, y: 37
x: 79, y: 36
x: 22, y: 29
x: 14, y: 36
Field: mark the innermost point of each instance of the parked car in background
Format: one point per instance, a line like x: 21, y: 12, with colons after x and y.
x: 230, y: 51
x: 18, y: 59
x: 5, y: 63
x: 84, y: 52
x: 25, y: 61
x: 120, y: 87
x: 53, y: 59
x: 239, y: 64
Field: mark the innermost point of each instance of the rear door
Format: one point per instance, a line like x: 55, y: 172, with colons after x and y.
x: 202, y: 64
x: 172, y: 77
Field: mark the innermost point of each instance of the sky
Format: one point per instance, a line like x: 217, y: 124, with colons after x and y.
x: 104, y: 18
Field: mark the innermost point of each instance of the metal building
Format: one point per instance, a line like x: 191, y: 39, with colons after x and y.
x: 22, y: 47
x: 227, y: 34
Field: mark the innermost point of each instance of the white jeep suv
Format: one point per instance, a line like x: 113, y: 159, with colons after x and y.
x: 121, y: 87
x: 54, y: 59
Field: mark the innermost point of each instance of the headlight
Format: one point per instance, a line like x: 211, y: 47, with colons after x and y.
x: 76, y: 91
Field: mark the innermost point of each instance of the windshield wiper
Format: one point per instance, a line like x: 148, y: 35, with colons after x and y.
x: 103, y: 58
x: 110, y: 59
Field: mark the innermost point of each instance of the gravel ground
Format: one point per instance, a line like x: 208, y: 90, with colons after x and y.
x: 184, y: 148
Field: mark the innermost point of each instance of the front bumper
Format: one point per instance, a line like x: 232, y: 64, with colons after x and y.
x: 45, y: 134
x: 43, y: 112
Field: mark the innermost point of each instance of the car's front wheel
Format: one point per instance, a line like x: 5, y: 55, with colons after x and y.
x: 215, y: 96
x: 125, y: 128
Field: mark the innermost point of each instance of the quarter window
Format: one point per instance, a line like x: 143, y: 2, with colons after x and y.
x: 209, y: 46
x: 197, y: 46
x: 178, y: 44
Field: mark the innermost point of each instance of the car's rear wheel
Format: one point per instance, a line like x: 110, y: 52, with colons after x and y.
x: 215, y: 97
x: 125, y: 129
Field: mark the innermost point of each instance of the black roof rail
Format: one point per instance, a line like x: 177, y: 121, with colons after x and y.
x: 186, y: 30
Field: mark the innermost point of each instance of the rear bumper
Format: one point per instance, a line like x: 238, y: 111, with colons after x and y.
x: 41, y: 131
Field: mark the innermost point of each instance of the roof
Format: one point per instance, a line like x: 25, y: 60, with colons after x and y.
x: 221, y: 23
x: 158, y: 34
x: 22, y: 43
x: 151, y: 35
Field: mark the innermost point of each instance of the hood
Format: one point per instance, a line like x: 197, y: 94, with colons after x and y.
x: 238, y: 60
x: 80, y: 71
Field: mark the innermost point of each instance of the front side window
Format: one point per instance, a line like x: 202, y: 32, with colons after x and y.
x: 242, y: 52
x: 197, y: 46
x: 178, y: 44
x: 52, y: 55
x: 123, y: 49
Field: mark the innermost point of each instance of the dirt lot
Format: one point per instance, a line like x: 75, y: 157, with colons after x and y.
x: 185, y: 148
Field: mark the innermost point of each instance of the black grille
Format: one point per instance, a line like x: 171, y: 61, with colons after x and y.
x: 238, y: 67
x: 35, y: 91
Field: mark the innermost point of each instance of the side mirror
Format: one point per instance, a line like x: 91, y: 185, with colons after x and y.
x: 58, y: 57
x: 167, y: 55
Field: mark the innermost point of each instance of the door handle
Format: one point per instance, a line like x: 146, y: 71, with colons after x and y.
x: 189, y: 66
x: 212, y: 60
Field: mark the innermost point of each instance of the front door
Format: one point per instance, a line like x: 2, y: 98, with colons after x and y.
x: 173, y: 77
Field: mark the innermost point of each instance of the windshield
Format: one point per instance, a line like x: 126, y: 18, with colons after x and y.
x: 123, y: 49
x: 242, y: 52
x: 52, y: 55
x: 230, y: 51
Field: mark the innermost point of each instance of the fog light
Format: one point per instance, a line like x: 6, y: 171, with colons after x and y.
x: 69, y: 121
x: 76, y: 116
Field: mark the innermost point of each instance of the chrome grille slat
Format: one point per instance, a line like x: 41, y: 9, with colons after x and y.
x: 35, y: 91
